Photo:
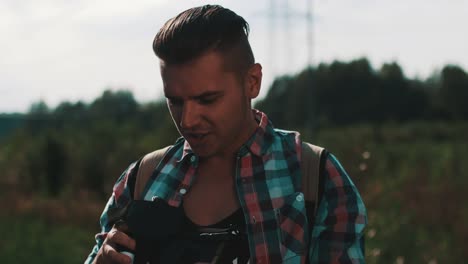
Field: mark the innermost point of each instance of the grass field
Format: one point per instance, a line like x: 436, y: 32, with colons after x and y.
x: 32, y: 240
x: 412, y: 178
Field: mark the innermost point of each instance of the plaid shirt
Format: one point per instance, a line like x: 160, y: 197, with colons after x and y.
x: 268, y: 177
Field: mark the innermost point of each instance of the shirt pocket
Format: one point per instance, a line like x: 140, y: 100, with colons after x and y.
x: 292, y: 226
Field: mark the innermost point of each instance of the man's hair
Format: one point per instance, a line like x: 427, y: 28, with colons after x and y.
x: 201, y: 29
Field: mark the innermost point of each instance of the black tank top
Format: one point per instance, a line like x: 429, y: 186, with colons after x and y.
x: 223, y: 242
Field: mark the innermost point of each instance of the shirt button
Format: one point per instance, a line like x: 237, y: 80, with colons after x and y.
x: 183, y: 191
x: 300, y: 197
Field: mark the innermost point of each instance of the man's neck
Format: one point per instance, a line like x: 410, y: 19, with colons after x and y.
x: 231, y: 153
x: 226, y: 162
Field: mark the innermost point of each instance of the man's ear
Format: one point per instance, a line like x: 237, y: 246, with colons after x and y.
x: 253, y: 80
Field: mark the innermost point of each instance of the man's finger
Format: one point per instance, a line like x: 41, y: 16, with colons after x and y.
x: 120, y: 238
x: 112, y: 256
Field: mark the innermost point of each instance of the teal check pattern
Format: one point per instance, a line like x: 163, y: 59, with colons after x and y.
x: 268, y: 183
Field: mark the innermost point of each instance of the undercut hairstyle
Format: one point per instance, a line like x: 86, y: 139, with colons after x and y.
x: 206, y: 28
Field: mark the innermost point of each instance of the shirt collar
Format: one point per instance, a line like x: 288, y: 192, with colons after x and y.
x: 263, y: 136
x: 257, y: 144
x: 187, y: 150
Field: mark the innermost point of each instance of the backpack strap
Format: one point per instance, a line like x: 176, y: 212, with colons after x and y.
x: 146, y: 167
x: 312, y: 168
x: 312, y: 164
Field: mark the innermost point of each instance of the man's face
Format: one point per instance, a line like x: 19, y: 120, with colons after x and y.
x: 209, y: 105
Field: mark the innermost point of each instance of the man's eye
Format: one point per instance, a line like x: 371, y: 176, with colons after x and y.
x: 206, y: 101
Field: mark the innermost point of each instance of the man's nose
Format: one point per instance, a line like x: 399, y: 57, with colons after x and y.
x: 190, y: 116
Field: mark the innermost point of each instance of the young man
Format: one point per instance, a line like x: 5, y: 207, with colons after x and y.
x: 232, y: 184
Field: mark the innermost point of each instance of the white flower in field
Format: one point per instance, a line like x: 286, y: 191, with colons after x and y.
x: 400, y: 260
x: 371, y: 233
x: 363, y: 166
x: 375, y: 252
x: 366, y: 155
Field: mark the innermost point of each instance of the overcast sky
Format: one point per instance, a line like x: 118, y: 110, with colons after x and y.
x: 59, y: 50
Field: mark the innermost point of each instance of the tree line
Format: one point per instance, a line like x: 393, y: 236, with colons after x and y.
x: 345, y: 93
x: 79, y: 146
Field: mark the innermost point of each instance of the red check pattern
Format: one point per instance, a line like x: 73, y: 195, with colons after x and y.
x: 268, y: 185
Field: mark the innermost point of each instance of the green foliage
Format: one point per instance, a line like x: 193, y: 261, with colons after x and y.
x: 410, y: 172
x: 78, y: 146
x: 346, y: 93
x: 31, y: 240
x: 9, y: 123
x: 454, y: 92
x: 412, y: 181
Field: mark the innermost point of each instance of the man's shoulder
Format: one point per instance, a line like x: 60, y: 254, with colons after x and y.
x: 306, y: 146
x: 282, y: 137
x: 149, y: 161
x: 158, y: 153
x: 146, y: 167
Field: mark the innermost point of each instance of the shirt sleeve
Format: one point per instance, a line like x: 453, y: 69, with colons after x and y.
x: 120, y: 198
x: 338, y: 233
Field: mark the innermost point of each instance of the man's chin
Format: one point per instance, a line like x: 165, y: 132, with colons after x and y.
x: 203, y: 152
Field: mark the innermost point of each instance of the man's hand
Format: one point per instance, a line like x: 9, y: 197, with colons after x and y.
x: 108, y: 253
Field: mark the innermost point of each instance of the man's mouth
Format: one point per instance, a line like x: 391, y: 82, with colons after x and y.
x: 195, y: 136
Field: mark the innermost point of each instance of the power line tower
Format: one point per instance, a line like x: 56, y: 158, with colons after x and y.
x: 310, y: 32
x: 283, y: 17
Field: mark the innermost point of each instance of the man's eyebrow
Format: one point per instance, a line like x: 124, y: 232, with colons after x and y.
x: 200, y: 96
x: 208, y: 94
